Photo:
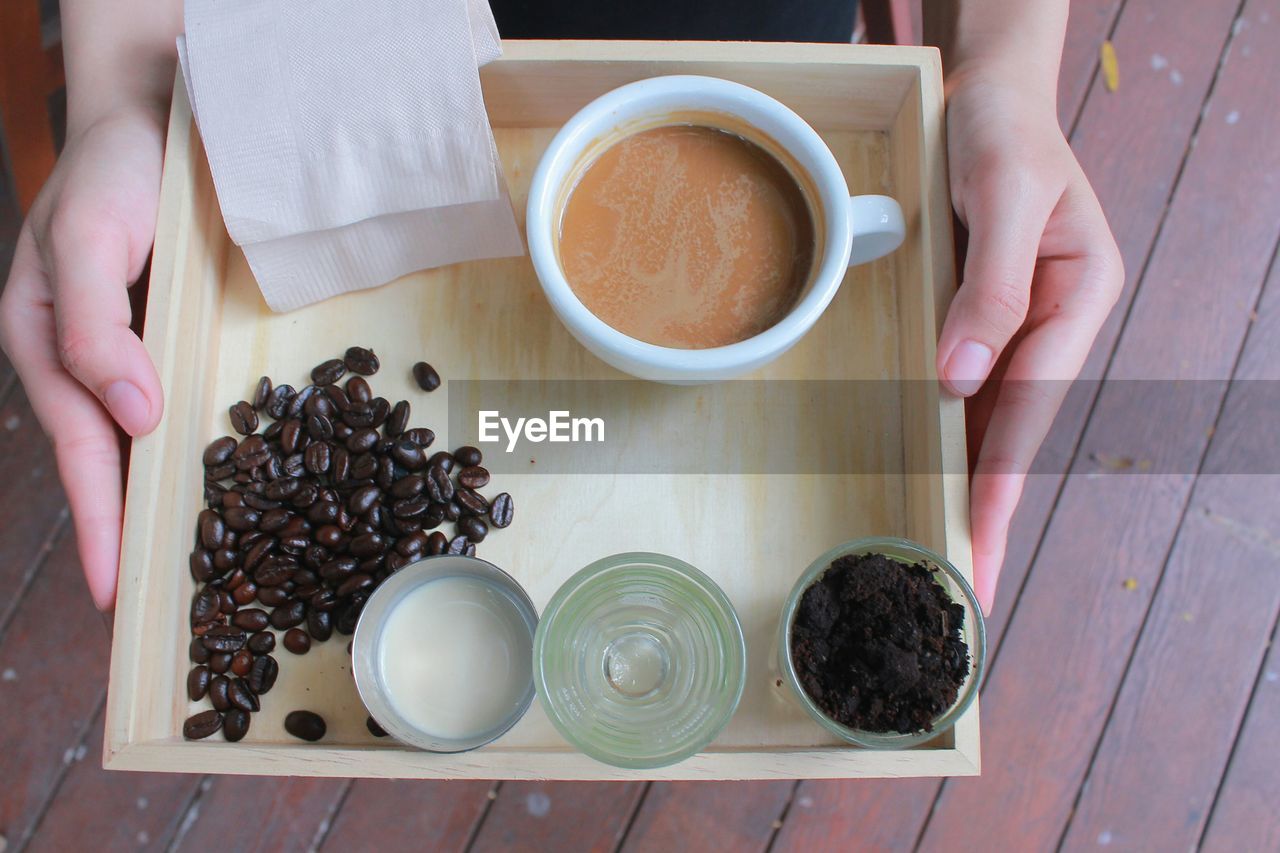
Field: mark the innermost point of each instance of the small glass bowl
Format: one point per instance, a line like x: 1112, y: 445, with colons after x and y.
x: 974, y: 633
x: 639, y: 660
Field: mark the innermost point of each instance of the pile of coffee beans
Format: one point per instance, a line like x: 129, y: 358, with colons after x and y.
x: 305, y: 518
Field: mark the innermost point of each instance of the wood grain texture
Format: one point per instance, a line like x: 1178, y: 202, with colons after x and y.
x: 862, y: 814
x: 1087, y: 27
x: 578, y: 816
x: 208, y: 305
x: 707, y: 816
x: 434, y: 815
x: 52, y: 657
x: 116, y: 811
x: 1245, y: 817
x: 246, y: 813
x: 32, y: 504
x: 1078, y: 652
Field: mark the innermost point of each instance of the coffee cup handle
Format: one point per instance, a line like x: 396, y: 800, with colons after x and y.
x: 878, y: 227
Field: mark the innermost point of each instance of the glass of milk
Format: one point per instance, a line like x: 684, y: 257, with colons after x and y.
x: 442, y: 654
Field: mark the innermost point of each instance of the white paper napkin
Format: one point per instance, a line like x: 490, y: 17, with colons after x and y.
x: 348, y: 141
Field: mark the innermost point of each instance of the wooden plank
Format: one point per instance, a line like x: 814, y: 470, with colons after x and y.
x: 1090, y: 23
x: 1120, y: 181
x: 118, y: 811
x: 260, y: 814
x: 23, y: 110
x: 52, y: 657
x: 1190, y: 684
x: 1245, y: 816
x: 1074, y: 631
x: 857, y: 814
x: 559, y: 816
x: 31, y: 499
x: 737, y: 816
x: 408, y: 815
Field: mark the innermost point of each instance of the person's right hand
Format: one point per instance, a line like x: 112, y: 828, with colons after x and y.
x: 64, y: 321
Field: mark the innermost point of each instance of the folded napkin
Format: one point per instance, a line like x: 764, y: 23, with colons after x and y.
x: 348, y: 142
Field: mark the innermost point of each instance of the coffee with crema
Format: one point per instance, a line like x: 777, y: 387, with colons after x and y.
x: 687, y: 236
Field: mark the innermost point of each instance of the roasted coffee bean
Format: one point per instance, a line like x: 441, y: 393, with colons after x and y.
x: 272, y: 572
x: 335, y: 570
x: 297, y: 641
x: 367, y: 545
x: 201, y: 725
x: 381, y: 411
x: 374, y: 729
x: 363, y: 466
x: 289, y: 435
x: 330, y: 536
x: 260, y: 503
x: 257, y: 553
x: 198, y: 683
x: 261, y: 392
x: 272, y: 432
x: 473, y: 528
x: 205, y: 606
x: 244, y: 419
x: 362, y: 440
x: 410, y: 507
x: 468, y: 456
x: 395, y: 562
x: 433, y: 517
x: 420, y: 436
x: 317, y: 457
x: 501, y: 510
x: 235, y: 580
x: 306, y: 725
x: 358, y: 390
x: 245, y: 593
x: 442, y: 459
x: 452, y: 511
x: 301, y: 401
x: 439, y: 486
x: 224, y: 471
x: 201, y: 564
x: 437, y: 543
x: 338, y: 396
x: 241, y: 662
x: 261, y: 643
x: 252, y: 619
x: 294, y: 465
x: 426, y: 377
x: 320, y: 622
x: 408, y: 455
x: 320, y: 427
x: 471, y: 501
x: 413, y: 544
x: 387, y: 472
x: 358, y: 416
x: 253, y: 446
x: 398, y: 420
x: 272, y: 596
x: 218, y: 692
x: 219, y: 662
x: 219, y: 451
x: 305, y: 496
x: 362, y: 500
x: 225, y: 602
x: 328, y: 372
x: 196, y: 652
x: 321, y: 601
x: 323, y: 512
x: 470, y: 551
x: 457, y: 545
x: 224, y: 638
x: 361, y: 360
x: 231, y: 500
x: 235, y: 725
x: 474, y: 477
x: 289, y: 614
x: 278, y: 401
x: 212, y: 529
x: 320, y: 406
x: 241, y: 518
x: 262, y: 676
x: 347, y: 617
x: 341, y: 465
x: 283, y: 488
x: 240, y: 696
x: 355, y: 582
x: 408, y: 486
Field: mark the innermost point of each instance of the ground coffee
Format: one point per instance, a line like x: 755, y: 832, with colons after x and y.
x: 877, y: 644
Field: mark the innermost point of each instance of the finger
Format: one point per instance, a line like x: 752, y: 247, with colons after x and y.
x: 84, y: 437
x: 1006, y: 212
x: 1074, y: 294
x: 90, y: 265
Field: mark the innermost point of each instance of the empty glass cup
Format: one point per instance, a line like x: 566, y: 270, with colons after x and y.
x: 639, y: 660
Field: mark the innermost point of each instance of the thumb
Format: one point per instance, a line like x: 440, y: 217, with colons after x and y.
x: 91, y: 268
x: 1006, y: 216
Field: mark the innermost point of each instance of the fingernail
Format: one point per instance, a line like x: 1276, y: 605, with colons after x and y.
x: 968, y: 366
x: 128, y: 406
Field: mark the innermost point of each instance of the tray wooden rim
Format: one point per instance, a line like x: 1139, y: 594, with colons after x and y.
x: 169, y: 334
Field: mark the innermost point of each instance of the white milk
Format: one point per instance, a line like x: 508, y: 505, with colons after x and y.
x: 455, y: 657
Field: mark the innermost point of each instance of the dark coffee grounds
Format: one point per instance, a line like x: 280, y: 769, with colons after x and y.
x: 876, y: 644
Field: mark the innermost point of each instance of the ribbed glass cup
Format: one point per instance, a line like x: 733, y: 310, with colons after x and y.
x: 974, y: 634
x: 639, y: 660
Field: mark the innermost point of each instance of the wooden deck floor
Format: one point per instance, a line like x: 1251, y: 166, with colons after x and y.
x: 1134, y: 700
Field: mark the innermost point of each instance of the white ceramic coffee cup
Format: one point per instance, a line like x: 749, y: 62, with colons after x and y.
x: 854, y: 230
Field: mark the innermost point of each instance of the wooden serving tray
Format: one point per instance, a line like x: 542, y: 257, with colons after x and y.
x: 211, y: 335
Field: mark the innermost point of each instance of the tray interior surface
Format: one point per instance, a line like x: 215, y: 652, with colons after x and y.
x: 753, y: 534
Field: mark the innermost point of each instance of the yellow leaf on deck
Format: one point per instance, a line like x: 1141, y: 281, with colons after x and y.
x: 1131, y: 584
x: 1110, y: 67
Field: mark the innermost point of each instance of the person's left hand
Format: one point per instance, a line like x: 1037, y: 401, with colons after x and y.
x: 1041, y: 274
